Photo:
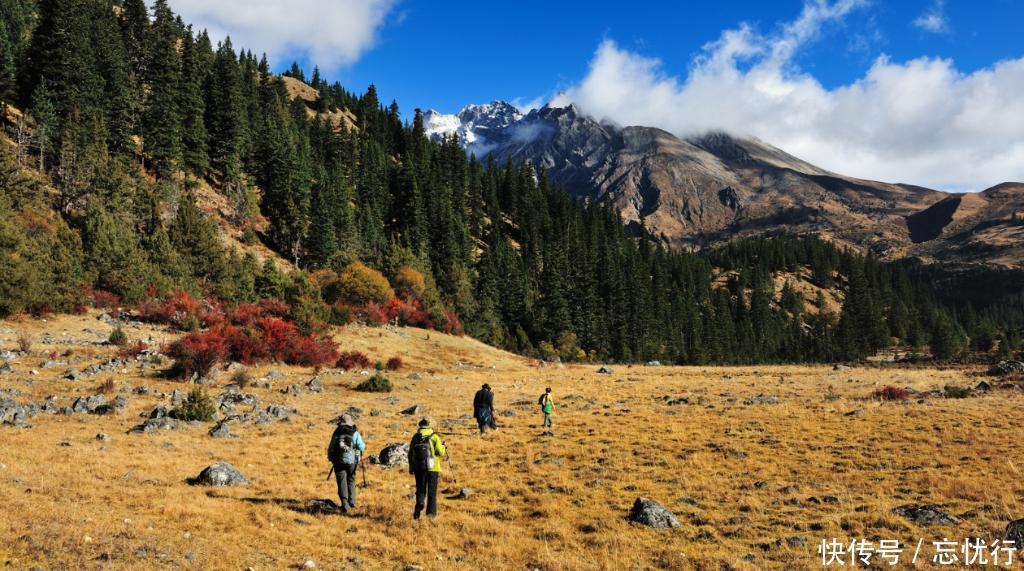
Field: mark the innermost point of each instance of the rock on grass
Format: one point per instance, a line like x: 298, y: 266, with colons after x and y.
x: 220, y: 474
x: 652, y: 514
x: 925, y: 515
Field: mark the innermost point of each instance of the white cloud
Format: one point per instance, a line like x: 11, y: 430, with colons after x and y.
x: 332, y: 33
x: 920, y: 121
x: 934, y: 19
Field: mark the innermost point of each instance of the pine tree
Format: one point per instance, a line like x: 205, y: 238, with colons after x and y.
x: 8, y: 82
x: 226, y: 118
x: 197, y: 58
x: 163, y: 113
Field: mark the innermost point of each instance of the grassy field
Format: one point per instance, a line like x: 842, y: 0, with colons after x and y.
x: 755, y: 486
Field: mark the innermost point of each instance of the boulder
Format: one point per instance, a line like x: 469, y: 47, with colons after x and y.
x: 840, y: 367
x: 413, y: 410
x: 1015, y: 533
x: 653, y: 363
x: 652, y: 514
x: 72, y: 374
x: 605, y: 370
x: 394, y: 455
x: 6, y: 369
x: 221, y: 430
x: 89, y: 404
x: 1006, y: 368
x: 281, y: 412
x: 925, y: 515
x: 315, y: 385
x: 220, y: 474
x: 152, y: 425
x: 414, y: 376
x: 103, y: 437
x: 115, y: 406
x: 14, y: 414
x: 293, y: 390
x: 762, y: 399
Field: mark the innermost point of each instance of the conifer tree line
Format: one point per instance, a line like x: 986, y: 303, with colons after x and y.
x: 127, y: 110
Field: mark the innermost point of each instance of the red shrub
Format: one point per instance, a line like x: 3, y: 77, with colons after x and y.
x: 353, y: 360
x: 105, y: 300
x: 374, y: 314
x: 132, y: 351
x: 198, y: 353
x: 274, y: 307
x: 182, y: 310
x: 408, y: 312
x: 890, y: 392
x: 394, y: 364
x: 246, y: 345
x: 453, y: 325
x: 312, y: 351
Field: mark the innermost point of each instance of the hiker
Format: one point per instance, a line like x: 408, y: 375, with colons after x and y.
x: 483, y: 408
x: 425, y: 453
x: 547, y: 405
x: 345, y: 451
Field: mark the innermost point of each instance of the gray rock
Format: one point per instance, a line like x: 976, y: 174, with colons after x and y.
x: 281, y: 412
x: 293, y: 390
x: 13, y: 414
x: 1015, y: 533
x: 653, y: 363
x: 376, y: 412
x: 856, y: 412
x: 413, y: 410
x: 6, y: 369
x: 72, y: 375
x: 141, y: 390
x: 606, y: 370
x: 103, y: 437
x: 506, y: 412
x: 152, y: 425
x: 89, y: 404
x: 840, y: 367
x: 925, y: 515
x: 652, y: 514
x: 463, y: 494
x: 178, y: 396
x: 221, y: 430
x: 235, y: 397
x: 1006, y: 368
x: 159, y: 411
x: 762, y: 399
x: 274, y: 375
x: 394, y: 455
x: 315, y: 385
x: 414, y: 376
x: 115, y: 406
x: 221, y: 474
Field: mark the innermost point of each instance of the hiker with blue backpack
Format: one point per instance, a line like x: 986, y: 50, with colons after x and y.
x: 345, y: 451
x: 425, y: 453
x: 483, y: 408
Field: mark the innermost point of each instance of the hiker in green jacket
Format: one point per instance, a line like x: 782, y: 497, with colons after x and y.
x: 547, y: 406
x: 425, y: 453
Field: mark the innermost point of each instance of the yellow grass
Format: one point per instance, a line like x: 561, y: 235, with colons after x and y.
x: 537, y: 502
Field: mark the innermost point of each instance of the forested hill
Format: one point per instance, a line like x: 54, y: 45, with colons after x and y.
x: 142, y: 160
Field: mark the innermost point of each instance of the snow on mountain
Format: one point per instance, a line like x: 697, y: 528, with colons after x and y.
x: 479, y: 127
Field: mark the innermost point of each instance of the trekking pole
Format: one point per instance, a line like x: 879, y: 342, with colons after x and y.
x: 330, y: 473
x: 363, y: 466
x: 452, y: 467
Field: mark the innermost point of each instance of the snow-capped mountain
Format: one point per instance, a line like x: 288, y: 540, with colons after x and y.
x: 480, y: 127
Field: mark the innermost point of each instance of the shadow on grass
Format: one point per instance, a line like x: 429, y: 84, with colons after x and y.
x: 307, y: 507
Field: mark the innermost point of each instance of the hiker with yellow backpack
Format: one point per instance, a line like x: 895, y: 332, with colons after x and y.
x: 547, y: 406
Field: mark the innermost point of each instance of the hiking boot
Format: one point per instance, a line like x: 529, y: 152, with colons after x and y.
x: 352, y: 505
x: 344, y: 508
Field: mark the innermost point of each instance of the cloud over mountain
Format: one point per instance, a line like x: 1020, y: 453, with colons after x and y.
x: 920, y: 121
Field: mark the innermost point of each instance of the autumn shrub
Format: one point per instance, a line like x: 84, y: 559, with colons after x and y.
x: 25, y: 342
x: 394, y: 364
x: 453, y: 325
x: 373, y: 314
x: 376, y: 384
x: 118, y: 337
x: 133, y: 350
x: 183, y: 311
x: 242, y: 378
x: 108, y: 387
x: 105, y: 300
x: 359, y: 284
x: 891, y: 393
x: 407, y: 312
x: 353, y: 360
x: 409, y: 283
x: 197, y: 353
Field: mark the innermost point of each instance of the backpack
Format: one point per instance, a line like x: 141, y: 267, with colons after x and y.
x: 343, y: 450
x: 542, y: 399
x: 421, y: 452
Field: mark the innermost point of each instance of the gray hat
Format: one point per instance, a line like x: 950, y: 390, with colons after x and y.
x: 346, y: 420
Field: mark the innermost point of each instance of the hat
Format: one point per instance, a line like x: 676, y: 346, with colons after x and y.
x: 486, y: 386
x: 346, y: 420
x: 426, y: 422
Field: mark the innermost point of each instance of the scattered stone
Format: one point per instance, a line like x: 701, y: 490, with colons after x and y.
x: 89, y: 404
x: 394, y: 455
x: 414, y: 377
x: 13, y: 414
x: 653, y: 363
x: 1015, y: 533
x: 506, y: 412
x: 178, y: 396
x: 856, y: 412
x: 72, y: 375
x: 762, y: 399
x: 152, y: 425
x: 293, y: 390
x: 925, y: 515
x: 463, y: 494
x: 274, y: 375
x: 983, y: 387
x: 652, y: 514
x: 1006, y: 368
x: 115, y: 406
x: 376, y: 412
x: 760, y: 485
x: 413, y: 410
x: 6, y: 369
x: 281, y: 412
x: 605, y: 370
x: 235, y: 397
x: 141, y: 390
x: 315, y: 385
x: 309, y: 564
x: 220, y: 474
x: 840, y: 367
x: 221, y: 430
x: 103, y: 437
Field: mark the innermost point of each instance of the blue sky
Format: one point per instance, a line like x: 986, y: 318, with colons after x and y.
x: 921, y: 91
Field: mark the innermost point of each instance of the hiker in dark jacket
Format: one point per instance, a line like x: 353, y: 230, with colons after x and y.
x: 344, y: 452
x: 483, y: 408
x: 425, y: 452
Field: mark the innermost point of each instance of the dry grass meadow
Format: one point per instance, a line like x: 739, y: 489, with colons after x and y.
x: 538, y: 502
